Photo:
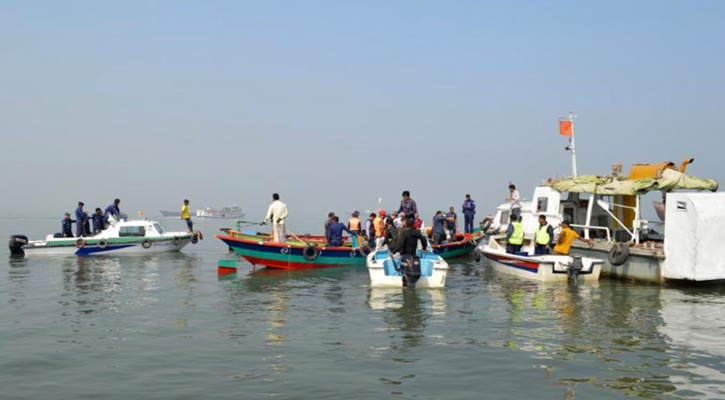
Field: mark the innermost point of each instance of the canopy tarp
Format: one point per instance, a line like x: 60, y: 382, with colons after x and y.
x: 608, y: 185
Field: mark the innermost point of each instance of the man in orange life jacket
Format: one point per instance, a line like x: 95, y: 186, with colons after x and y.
x: 354, y: 224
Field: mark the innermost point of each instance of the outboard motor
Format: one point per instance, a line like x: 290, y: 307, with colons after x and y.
x: 16, y: 244
x: 411, y: 270
x: 574, y: 268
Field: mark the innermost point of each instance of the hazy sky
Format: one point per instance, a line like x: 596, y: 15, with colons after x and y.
x: 334, y: 104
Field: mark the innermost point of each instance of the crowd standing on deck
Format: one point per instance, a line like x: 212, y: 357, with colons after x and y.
x: 84, y: 220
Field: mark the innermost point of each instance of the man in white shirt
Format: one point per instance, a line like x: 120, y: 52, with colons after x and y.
x: 277, y: 213
x: 515, y: 200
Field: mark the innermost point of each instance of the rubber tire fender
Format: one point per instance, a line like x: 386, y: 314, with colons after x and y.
x: 194, y: 239
x: 618, y: 254
x: 485, y: 224
x: 146, y: 244
x: 102, y: 244
x: 310, y: 253
x: 80, y: 243
x: 176, y: 241
x: 477, y: 255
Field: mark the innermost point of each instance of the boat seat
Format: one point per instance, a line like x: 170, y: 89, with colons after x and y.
x: 390, y: 268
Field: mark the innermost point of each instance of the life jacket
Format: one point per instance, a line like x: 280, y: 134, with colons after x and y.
x: 542, y: 235
x: 379, y: 226
x: 517, y: 237
x: 353, y: 224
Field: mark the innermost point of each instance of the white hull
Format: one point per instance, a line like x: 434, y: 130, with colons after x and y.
x: 543, y: 268
x: 382, y: 276
x: 111, y: 249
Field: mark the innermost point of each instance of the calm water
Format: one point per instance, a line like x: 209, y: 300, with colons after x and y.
x: 167, y: 327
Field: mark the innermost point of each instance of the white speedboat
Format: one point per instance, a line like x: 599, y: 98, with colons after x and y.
x: 387, y: 271
x: 545, y: 268
x: 121, y: 237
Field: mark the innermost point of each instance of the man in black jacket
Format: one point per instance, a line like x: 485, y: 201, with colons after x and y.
x: 407, y: 246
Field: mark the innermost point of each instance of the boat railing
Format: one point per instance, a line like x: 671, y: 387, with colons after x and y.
x: 588, y: 227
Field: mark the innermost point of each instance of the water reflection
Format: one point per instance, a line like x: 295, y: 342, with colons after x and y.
x: 627, y: 332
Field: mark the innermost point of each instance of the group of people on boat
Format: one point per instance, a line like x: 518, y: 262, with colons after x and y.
x: 83, y: 221
x: 543, y: 237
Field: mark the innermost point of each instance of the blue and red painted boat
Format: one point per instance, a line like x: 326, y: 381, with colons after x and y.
x: 258, y: 250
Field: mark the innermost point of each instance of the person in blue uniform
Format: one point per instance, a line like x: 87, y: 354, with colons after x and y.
x: 80, y: 220
x: 97, y: 219
x: 452, y: 223
x: 469, y: 211
x: 113, y: 210
x: 334, y: 234
x: 370, y: 230
x: 439, y: 228
x: 66, y: 226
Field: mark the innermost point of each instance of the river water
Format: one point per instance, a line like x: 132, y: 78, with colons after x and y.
x: 168, y: 327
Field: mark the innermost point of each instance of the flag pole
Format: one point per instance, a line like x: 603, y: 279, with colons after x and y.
x: 571, y: 145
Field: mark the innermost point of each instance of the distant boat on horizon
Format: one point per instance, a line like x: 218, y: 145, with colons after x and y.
x: 169, y: 213
x: 224, y: 212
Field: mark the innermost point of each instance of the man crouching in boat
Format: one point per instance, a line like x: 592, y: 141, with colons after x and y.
x: 334, y: 234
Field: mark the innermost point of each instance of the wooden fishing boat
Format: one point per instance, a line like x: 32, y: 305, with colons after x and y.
x: 462, y: 245
x: 260, y: 250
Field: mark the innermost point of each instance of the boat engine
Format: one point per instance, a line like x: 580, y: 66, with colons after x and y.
x: 574, y: 268
x: 16, y: 244
x: 411, y: 271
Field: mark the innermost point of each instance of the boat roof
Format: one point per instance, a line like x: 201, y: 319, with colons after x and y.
x: 611, y: 185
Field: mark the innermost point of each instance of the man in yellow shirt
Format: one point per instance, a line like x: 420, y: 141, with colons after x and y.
x: 566, y: 238
x: 186, y: 217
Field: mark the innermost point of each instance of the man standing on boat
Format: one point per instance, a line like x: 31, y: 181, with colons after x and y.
x: 277, y: 213
x: 113, y: 210
x: 81, y: 219
x: 97, y: 221
x: 452, y: 218
x: 66, y: 226
x: 370, y: 229
x: 334, y: 235
x: 186, y: 217
x: 514, y: 236
x: 469, y: 211
x: 408, y: 243
x: 329, y: 222
x: 354, y: 224
x: 566, y: 238
x: 408, y: 206
x: 439, y: 230
x: 544, y: 239
x: 515, y: 200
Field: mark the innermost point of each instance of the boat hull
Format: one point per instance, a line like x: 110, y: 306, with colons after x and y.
x: 642, y: 265
x: 92, y: 248
x: 383, y: 275
x: 290, y: 256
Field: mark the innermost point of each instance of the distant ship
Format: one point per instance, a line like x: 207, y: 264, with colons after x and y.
x: 224, y: 212
x: 169, y: 213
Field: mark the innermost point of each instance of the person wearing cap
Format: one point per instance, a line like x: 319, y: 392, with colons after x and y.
x: 81, y: 219
x: 354, y: 224
x: 469, y: 211
x: 97, y: 219
x: 113, y: 210
x: 186, y: 217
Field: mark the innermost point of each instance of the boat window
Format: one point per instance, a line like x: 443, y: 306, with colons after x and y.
x: 542, y: 204
x: 504, y: 218
x: 132, y: 231
x: 159, y: 229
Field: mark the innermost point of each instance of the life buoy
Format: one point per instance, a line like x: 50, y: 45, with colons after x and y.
x: 199, y: 235
x: 80, y: 243
x: 146, y: 244
x: 194, y: 239
x: 102, y: 244
x: 364, y: 250
x: 477, y: 255
x: 618, y: 254
x: 176, y: 241
x: 485, y: 224
x: 310, y: 253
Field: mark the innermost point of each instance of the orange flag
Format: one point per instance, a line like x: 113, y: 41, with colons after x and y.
x: 565, y: 128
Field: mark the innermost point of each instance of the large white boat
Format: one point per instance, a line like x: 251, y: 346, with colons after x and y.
x: 121, y: 237
x: 684, y: 246
x: 388, y: 271
x: 224, y: 212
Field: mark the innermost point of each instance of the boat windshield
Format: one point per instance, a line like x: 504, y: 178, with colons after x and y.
x: 159, y: 229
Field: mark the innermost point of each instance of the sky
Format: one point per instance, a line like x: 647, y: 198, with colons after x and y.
x: 335, y: 104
